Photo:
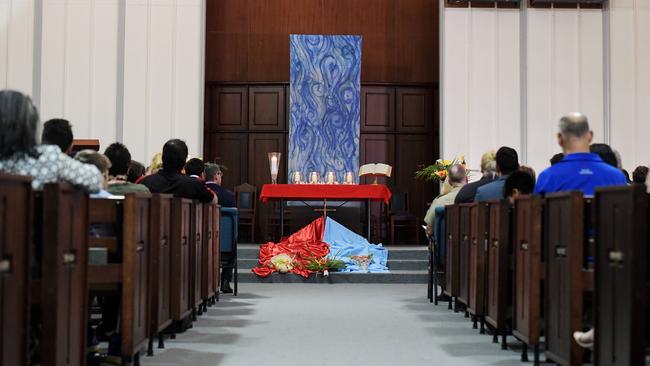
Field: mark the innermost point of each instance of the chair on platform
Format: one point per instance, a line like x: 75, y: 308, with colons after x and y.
x: 400, y: 217
x: 228, y: 237
x: 246, y: 199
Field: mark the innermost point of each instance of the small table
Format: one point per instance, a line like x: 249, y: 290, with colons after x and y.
x: 323, y: 192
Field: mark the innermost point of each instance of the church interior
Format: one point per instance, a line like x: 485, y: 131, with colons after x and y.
x: 318, y: 182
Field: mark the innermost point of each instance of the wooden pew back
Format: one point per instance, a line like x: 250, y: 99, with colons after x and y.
x: 564, y: 239
x: 181, y: 225
x: 528, y: 269
x: 499, y: 288
x: 15, y: 241
x: 620, y: 286
x: 479, y: 237
x: 463, y: 257
x: 160, y: 263
x: 452, y: 280
x: 196, y: 255
x: 211, y: 255
x: 64, y: 275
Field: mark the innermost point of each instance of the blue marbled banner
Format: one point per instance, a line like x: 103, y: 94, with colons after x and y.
x: 325, y: 105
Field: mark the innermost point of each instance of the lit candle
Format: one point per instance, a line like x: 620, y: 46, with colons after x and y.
x: 274, y: 165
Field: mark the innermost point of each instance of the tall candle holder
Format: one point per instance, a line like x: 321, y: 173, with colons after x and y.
x: 274, y: 165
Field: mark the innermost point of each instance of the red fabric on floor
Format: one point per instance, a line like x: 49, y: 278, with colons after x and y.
x: 303, y: 245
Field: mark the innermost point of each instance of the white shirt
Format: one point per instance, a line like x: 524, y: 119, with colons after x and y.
x: 51, y: 166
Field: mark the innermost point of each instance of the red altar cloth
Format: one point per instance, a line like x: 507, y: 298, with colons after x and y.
x: 372, y: 192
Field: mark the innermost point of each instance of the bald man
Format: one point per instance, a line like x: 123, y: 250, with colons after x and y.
x: 580, y: 169
x: 457, y: 178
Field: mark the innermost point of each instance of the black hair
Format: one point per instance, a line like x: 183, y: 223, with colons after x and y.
x: 57, y: 132
x: 606, y: 153
x: 194, y: 166
x: 640, y: 174
x: 557, y: 158
x: 174, y: 155
x: 507, y: 160
x: 136, y: 170
x: 18, y: 122
x: 120, y: 158
x: 520, y: 180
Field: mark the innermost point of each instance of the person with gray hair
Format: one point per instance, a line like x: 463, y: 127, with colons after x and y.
x: 213, y: 176
x: 580, y: 169
x: 489, y: 171
x: 457, y: 179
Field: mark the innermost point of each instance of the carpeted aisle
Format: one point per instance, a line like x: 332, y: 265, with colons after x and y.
x: 342, y: 324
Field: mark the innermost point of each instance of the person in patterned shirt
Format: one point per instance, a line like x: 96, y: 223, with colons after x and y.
x: 20, y: 155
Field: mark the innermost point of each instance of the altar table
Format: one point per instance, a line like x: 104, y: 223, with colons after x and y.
x: 323, y: 192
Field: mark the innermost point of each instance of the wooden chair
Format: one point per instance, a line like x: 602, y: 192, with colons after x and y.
x: 400, y: 217
x: 499, y: 286
x: 528, y: 272
x: 621, y: 273
x: 479, y: 236
x: 160, y: 268
x: 246, y: 198
x: 196, y: 258
x: 15, y: 241
x: 463, y: 255
x: 452, y: 255
x: 127, y: 271
x: 211, y: 255
x: 180, y: 264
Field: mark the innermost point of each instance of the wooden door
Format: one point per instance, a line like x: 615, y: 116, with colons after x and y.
x: 528, y: 269
x: 498, y: 291
x: 15, y: 241
x: 452, y: 280
x: 64, y: 282
x: 620, y: 286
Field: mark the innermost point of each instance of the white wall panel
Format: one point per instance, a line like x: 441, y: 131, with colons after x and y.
x: 16, y: 44
x: 630, y: 80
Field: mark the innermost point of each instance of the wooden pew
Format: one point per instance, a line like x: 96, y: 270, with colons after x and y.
x: 15, y: 242
x: 160, y: 268
x: 452, y: 255
x: 564, y: 241
x: 621, y: 277
x: 499, y: 286
x: 196, y: 258
x: 211, y: 254
x: 180, y: 265
x: 463, y: 255
x: 479, y: 237
x: 528, y: 272
x: 128, y: 267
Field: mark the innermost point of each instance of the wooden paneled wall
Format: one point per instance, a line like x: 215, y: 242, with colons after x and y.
x: 399, y: 126
x: 248, y: 40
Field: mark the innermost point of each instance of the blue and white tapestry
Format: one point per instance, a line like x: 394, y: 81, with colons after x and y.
x: 324, y: 105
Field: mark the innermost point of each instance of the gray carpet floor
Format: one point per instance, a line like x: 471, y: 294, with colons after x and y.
x: 342, y: 324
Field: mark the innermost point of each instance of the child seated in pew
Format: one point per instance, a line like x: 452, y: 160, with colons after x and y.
x: 120, y: 159
x: 136, y: 171
x: 19, y: 153
x: 521, y: 182
x: 102, y: 163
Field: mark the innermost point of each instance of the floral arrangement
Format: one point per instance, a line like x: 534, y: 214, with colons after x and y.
x: 438, y: 171
x: 324, y: 265
x: 283, y: 263
x: 362, y: 260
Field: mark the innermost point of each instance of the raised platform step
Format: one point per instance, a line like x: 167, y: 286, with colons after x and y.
x: 393, y: 265
x: 246, y: 276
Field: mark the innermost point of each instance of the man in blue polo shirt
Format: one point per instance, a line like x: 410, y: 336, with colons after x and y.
x: 580, y: 169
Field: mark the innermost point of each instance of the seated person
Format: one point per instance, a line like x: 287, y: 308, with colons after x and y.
x: 529, y: 170
x: 518, y: 183
x: 45, y: 163
x: 102, y: 163
x: 507, y: 162
x: 120, y: 159
x: 170, y: 180
x: 58, y: 132
x: 194, y: 168
x: 580, y: 169
x: 213, y: 175
x: 156, y: 164
x: 489, y: 171
x: 457, y: 179
x: 556, y: 158
x: 640, y: 174
x: 605, y: 152
x: 135, y: 172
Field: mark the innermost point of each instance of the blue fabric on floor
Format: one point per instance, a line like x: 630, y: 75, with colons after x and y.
x: 345, y: 243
